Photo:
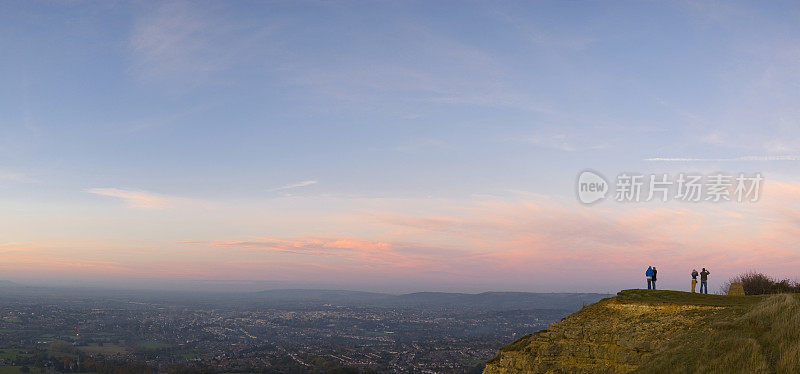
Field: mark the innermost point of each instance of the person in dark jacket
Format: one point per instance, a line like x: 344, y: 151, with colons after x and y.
x: 704, y: 280
x: 655, y: 272
x: 649, y: 274
x: 694, y: 279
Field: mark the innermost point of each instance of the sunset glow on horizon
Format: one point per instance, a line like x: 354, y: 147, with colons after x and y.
x: 409, y: 146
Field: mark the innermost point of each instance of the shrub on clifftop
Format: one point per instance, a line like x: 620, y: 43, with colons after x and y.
x: 755, y: 283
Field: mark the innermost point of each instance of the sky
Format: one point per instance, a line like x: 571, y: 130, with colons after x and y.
x: 391, y: 146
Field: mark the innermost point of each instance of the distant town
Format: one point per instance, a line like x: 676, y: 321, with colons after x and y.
x: 292, y: 331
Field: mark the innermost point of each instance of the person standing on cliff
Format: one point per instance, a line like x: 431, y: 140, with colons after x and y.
x: 694, y: 279
x: 655, y: 273
x: 704, y: 280
x: 649, y: 274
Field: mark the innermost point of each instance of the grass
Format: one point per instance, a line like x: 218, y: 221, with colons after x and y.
x: 687, y: 298
x: 517, y: 345
x: 697, y: 333
x: 754, y: 334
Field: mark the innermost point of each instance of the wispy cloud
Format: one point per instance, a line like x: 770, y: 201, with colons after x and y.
x: 422, y: 144
x: 518, y: 241
x: 293, y: 185
x: 15, y: 177
x: 530, y: 239
x: 316, y: 246
x: 446, y: 71
x: 389, y: 256
x: 181, y: 39
x: 539, y: 38
x: 171, y: 38
x: 745, y: 158
x: 134, y: 198
x: 557, y: 141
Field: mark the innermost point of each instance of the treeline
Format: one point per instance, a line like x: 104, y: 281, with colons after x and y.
x: 65, y: 362
x: 755, y: 283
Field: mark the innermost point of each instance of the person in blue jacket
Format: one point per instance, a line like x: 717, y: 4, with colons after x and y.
x: 649, y: 274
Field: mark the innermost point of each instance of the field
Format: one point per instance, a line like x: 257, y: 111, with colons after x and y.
x: 106, y: 349
x: 10, y: 353
x: 153, y: 345
x: 17, y: 370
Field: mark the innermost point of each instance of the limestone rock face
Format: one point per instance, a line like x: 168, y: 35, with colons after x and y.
x: 610, y: 336
x: 736, y: 289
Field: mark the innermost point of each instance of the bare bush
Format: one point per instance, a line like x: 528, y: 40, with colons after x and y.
x: 755, y: 283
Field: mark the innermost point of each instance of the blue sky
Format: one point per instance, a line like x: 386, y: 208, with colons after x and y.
x: 118, y: 120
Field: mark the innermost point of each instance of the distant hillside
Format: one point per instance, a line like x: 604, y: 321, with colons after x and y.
x: 488, y: 301
x: 481, y: 301
x: 322, y: 295
x: 664, y: 332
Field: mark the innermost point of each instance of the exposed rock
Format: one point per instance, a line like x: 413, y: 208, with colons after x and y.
x: 736, y: 289
x: 611, y: 336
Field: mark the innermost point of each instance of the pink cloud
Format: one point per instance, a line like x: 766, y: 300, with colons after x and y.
x: 134, y: 198
x: 533, y: 241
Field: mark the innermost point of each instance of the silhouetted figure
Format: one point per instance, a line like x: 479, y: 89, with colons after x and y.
x: 704, y: 280
x: 649, y: 274
x: 655, y: 273
x: 694, y: 279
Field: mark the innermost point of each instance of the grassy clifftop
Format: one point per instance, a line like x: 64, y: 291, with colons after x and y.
x: 664, y: 332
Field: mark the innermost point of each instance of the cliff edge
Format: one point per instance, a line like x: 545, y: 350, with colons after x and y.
x: 664, y: 331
